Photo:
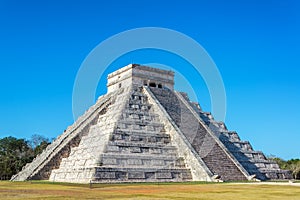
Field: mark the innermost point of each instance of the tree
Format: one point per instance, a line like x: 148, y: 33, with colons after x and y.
x: 37, y: 139
x: 14, y: 154
x: 38, y: 143
x: 294, y: 166
x: 40, y: 148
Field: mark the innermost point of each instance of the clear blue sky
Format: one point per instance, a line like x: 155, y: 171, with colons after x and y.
x: 255, y: 44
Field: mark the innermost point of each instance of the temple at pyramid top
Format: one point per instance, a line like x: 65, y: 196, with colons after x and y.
x: 135, y: 74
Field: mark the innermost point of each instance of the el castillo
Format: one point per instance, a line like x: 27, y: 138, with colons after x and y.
x: 143, y: 130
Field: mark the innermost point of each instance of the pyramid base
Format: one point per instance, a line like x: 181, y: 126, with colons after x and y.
x: 141, y: 175
x: 119, y: 175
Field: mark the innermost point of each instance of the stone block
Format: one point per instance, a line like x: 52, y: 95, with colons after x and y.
x: 157, y: 162
x: 109, y: 161
x: 135, y: 138
x: 155, y: 151
x: 186, y: 175
x: 105, y: 175
x: 151, y: 139
x: 147, y: 162
x: 134, y: 162
x: 136, y: 175
x: 163, y: 175
x: 150, y: 128
x: 110, y: 148
x: 135, y: 150
x: 117, y: 137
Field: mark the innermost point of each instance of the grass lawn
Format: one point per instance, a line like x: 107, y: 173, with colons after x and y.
x: 215, y: 191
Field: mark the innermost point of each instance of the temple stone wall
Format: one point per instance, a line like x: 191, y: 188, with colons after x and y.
x: 139, y: 75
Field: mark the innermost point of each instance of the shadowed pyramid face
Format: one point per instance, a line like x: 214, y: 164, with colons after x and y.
x: 142, y: 130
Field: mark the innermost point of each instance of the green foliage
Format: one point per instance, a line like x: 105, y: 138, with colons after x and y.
x: 15, y: 153
x: 292, y: 165
x: 39, y: 148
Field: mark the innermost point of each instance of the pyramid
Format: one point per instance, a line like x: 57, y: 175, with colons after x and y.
x: 144, y: 131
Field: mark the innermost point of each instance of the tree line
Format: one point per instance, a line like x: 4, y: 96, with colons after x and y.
x: 15, y: 153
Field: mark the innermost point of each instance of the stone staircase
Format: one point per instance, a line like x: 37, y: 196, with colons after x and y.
x: 139, y: 148
x: 127, y: 144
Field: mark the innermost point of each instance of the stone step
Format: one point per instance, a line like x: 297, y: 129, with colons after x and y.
x: 142, y: 151
x: 131, y: 174
x: 235, y: 145
x: 140, y: 127
x: 243, y: 151
x: 140, y: 112
x: 135, y: 107
x: 141, y: 137
x: 143, y: 168
x: 140, y: 160
x: 258, y: 161
x: 264, y: 170
x: 229, y: 136
x: 274, y: 175
x: 138, y: 117
x: 138, y: 102
x: 138, y: 121
x: 139, y: 144
x: 241, y: 155
x: 237, y: 142
x: 108, y: 174
x: 139, y: 149
x: 130, y: 155
x: 140, y: 132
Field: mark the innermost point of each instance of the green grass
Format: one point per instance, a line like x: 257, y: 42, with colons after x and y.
x: 192, y: 190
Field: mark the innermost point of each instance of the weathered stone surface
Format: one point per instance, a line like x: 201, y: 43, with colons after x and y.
x: 209, y: 148
x: 254, y: 162
x: 143, y: 130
